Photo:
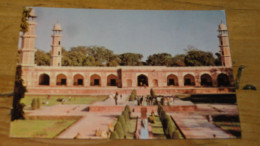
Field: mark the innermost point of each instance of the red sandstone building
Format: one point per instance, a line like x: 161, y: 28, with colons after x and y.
x: 58, y: 79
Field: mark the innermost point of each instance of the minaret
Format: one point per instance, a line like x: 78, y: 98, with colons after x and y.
x: 56, y: 46
x: 224, y: 45
x: 27, y: 51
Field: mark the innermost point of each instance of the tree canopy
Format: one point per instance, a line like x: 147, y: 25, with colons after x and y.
x: 195, y: 57
x: 24, y: 23
x: 101, y: 56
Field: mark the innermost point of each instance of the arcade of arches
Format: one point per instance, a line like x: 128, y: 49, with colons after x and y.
x: 142, y: 80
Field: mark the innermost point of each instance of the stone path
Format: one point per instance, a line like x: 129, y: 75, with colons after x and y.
x: 195, y: 126
x: 85, y: 128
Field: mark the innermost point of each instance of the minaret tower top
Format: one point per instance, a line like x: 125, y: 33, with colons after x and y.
x: 56, y: 52
x: 27, y: 51
x: 224, y: 45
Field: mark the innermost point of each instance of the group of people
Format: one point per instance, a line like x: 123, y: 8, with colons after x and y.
x: 149, y: 100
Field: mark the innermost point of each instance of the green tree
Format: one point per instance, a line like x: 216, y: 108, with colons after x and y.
x: 19, y: 90
x: 24, y: 23
x: 160, y: 59
x: 38, y: 103
x: 131, y: 59
x: 33, y: 104
x: 197, y: 57
x: 119, y: 130
x: 218, y: 59
x: 152, y: 93
x: 114, y: 60
x: 42, y: 58
x: 178, y: 60
x: 122, y: 120
x: 114, y: 135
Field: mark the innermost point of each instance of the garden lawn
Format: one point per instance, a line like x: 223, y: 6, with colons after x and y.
x: 38, y: 128
x: 27, y: 100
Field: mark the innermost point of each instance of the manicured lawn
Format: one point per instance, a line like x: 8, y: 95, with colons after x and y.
x: 38, y: 128
x: 27, y: 100
x: 157, y: 129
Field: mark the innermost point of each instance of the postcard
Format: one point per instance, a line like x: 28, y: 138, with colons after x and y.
x: 124, y: 74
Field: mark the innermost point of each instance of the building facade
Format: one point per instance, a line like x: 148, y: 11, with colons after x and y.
x: 58, y: 79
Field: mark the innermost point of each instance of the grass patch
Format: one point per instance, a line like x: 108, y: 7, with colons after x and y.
x: 38, y: 128
x: 157, y: 129
x: 27, y: 100
x: 230, y: 127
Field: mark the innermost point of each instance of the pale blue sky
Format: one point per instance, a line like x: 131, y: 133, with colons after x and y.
x: 139, y: 31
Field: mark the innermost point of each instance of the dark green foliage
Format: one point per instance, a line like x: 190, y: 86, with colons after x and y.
x: 169, y: 127
x: 38, y: 103
x: 127, y: 113
x: 152, y: 93
x: 249, y: 87
x: 33, y: 104
x: 119, y: 130
x: 131, y: 59
x: 121, y: 120
x: 24, y: 23
x: 160, y: 108
x: 197, y: 57
x: 19, y: 90
x: 101, y: 56
x: 42, y: 58
x: 178, y: 60
x: 132, y: 95
x: 177, y: 135
x: 218, y: 59
x: 114, y: 135
x: 160, y: 59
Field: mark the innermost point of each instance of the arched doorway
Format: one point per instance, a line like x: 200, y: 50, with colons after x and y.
x: 44, y: 79
x: 61, y: 80
x: 223, y: 80
x: 111, y: 80
x: 172, y: 80
x: 206, y: 80
x: 142, y: 80
x: 129, y: 83
x: 95, y: 80
x: 155, y: 83
x: 189, y: 80
x: 78, y: 80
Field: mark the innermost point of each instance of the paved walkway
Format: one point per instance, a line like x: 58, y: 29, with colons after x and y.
x: 85, y: 128
x: 195, y: 126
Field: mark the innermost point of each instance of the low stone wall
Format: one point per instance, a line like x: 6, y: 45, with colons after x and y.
x: 138, y: 108
x: 53, y: 117
x: 107, y: 91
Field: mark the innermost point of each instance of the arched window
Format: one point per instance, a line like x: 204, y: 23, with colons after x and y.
x: 206, y: 80
x: 223, y: 80
x: 78, y: 80
x: 142, y: 80
x: 172, y: 80
x: 44, y: 79
x: 95, y: 80
x: 111, y: 80
x: 189, y: 80
x: 61, y: 80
